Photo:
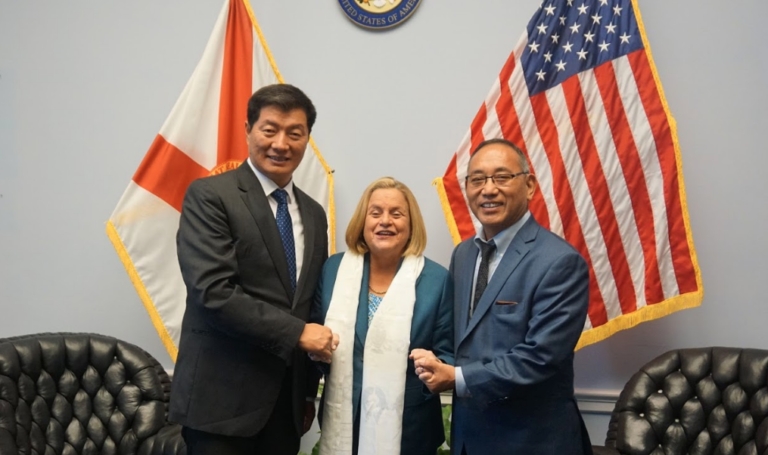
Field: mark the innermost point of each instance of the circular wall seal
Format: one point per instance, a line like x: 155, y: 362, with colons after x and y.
x: 378, y: 14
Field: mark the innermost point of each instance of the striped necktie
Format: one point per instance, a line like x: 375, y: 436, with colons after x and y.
x: 486, y: 250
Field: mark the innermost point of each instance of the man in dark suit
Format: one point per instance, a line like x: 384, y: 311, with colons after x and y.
x: 521, y: 297
x: 251, y: 246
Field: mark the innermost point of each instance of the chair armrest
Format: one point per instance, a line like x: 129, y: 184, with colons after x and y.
x: 167, y: 441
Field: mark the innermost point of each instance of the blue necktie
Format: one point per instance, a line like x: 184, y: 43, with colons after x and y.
x: 285, y: 226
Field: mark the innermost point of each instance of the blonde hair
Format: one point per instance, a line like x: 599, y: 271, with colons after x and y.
x: 418, y: 240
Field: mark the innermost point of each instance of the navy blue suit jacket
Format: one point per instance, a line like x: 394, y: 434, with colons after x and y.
x: 516, y: 352
x: 431, y: 328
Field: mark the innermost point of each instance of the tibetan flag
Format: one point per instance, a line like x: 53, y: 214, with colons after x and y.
x: 581, y: 96
x: 203, y: 135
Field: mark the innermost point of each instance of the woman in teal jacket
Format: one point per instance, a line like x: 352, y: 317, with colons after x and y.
x: 383, y: 298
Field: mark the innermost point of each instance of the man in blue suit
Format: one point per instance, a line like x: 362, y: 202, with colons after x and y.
x: 521, y: 297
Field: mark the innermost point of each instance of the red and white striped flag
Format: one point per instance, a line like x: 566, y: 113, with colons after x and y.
x: 203, y: 134
x: 581, y: 96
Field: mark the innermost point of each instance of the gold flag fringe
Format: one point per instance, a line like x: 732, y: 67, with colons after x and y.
x: 149, y: 305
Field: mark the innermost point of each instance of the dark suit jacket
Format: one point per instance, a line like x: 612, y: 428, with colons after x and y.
x: 242, y: 321
x: 431, y: 328
x: 516, y: 353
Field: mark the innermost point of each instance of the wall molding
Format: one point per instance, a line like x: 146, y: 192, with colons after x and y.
x: 590, y: 401
x: 596, y: 401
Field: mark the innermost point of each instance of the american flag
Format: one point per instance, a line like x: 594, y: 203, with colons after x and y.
x: 581, y: 96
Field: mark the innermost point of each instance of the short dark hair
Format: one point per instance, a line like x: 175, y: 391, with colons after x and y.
x: 500, y: 140
x: 285, y: 97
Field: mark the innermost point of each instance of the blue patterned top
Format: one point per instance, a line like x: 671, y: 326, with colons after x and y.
x: 373, y: 304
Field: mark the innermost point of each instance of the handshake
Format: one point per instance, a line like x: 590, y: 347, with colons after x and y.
x: 319, y: 342
x: 433, y: 372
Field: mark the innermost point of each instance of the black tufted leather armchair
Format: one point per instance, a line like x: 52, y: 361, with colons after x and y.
x: 694, y: 401
x: 79, y: 393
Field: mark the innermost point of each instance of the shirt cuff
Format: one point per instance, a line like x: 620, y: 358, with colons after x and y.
x: 461, y: 385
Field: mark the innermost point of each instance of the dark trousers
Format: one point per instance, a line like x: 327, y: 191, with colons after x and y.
x: 278, y: 437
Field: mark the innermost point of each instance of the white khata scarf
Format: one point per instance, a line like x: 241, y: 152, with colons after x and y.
x: 386, y: 360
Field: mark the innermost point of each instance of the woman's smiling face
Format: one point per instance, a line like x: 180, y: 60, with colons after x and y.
x: 387, y: 222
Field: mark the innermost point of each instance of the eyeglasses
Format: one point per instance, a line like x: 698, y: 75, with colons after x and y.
x: 500, y: 180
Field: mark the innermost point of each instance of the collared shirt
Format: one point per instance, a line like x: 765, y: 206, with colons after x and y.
x: 502, y: 241
x: 293, y: 208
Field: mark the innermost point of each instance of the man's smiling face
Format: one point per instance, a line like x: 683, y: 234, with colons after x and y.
x: 277, y: 141
x: 498, y: 208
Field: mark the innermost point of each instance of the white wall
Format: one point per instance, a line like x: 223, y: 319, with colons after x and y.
x: 86, y: 85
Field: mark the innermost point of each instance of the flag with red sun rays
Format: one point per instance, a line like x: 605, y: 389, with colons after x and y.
x: 202, y: 135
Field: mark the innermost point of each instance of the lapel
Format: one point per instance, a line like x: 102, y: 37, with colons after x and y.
x: 254, y: 198
x: 516, y: 251
x: 464, y: 262
x: 361, y: 326
x: 310, y: 236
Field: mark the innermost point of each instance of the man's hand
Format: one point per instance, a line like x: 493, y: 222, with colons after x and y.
x: 435, y: 374
x: 309, y: 416
x: 322, y: 358
x: 318, y: 340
